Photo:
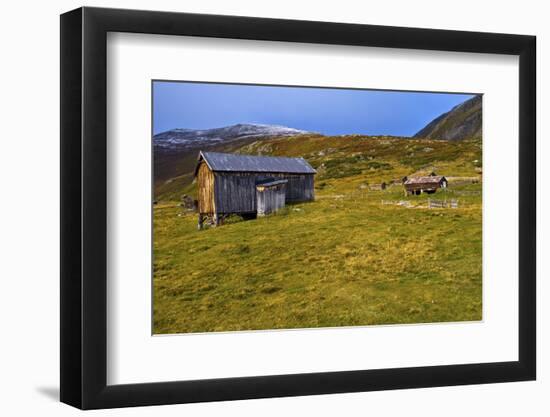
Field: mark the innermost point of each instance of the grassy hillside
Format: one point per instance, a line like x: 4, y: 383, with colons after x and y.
x: 347, y: 162
x: 352, y: 257
x: 463, y: 121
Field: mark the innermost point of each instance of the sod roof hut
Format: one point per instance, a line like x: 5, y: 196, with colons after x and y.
x: 227, y: 182
x: 419, y: 185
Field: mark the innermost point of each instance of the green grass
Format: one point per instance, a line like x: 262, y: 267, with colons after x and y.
x: 344, y: 260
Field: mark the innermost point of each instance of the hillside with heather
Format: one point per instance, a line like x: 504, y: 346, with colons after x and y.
x: 344, y: 163
x: 462, y: 122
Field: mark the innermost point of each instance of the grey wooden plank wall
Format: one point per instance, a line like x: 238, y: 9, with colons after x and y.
x: 236, y: 192
x: 270, y: 199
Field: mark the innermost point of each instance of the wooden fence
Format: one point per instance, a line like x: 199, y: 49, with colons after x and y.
x: 442, y: 203
x: 464, y: 192
x: 403, y: 203
x: 361, y: 194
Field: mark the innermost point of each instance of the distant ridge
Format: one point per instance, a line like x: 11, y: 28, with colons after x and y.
x: 193, y: 138
x: 461, y: 122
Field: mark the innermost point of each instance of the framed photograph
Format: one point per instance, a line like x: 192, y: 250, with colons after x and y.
x: 257, y: 208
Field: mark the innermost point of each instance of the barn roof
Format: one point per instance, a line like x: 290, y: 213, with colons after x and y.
x: 434, y: 179
x: 228, y: 162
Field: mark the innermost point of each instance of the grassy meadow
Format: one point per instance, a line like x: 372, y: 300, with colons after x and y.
x: 354, y: 256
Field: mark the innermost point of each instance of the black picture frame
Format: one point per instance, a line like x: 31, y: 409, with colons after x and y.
x: 84, y: 207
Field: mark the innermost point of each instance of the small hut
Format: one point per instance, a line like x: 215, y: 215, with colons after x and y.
x: 228, y: 183
x: 420, y: 185
x: 270, y: 196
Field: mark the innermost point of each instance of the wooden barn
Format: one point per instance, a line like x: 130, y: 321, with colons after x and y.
x: 419, y: 185
x: 231, y: 184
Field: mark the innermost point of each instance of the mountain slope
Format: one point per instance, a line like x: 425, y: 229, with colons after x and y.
x: 176, y: 150
x: 461, y: 122
x: 191, y: 138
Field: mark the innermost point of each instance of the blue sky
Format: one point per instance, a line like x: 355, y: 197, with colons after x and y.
x: 328, y: 111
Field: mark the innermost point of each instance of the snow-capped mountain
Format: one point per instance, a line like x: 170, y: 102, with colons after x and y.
x: 177, y: 139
